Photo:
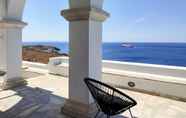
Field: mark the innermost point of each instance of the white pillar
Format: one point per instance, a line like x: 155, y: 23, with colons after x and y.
x: 85, y: 33
x: 11, y: 41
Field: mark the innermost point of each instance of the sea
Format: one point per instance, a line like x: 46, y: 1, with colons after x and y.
x: 173, y: 54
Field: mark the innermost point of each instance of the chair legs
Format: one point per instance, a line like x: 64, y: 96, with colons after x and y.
x: 131, y: 114
x: 109, y: 116
x: 96, y: 114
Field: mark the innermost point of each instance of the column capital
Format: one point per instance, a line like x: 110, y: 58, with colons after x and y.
x: 79, y: 14
x: 12, y: 24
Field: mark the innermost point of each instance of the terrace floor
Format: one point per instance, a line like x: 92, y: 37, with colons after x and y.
x: 45, y: 94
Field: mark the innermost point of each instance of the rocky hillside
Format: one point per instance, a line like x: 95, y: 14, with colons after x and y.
x: 40, y: 53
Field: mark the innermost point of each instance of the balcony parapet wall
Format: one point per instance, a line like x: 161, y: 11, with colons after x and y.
x: 167, y: 81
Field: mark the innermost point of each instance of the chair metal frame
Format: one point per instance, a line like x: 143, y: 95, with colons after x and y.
x: 94, y: 85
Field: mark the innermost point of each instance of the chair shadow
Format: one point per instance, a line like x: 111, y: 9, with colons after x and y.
x: 101, y: 115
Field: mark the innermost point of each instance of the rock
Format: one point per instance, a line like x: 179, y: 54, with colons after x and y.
x: 40, y: 53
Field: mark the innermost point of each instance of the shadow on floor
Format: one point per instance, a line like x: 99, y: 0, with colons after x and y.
x: 36, y: 103
x: 101, y: 115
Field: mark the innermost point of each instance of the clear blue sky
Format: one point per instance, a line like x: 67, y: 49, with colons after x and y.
x: 130, y: 21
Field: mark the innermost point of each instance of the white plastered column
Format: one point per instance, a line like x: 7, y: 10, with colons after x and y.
x: 85, y: 32
x: 11, y: 42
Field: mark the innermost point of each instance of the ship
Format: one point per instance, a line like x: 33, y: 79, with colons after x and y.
x: 127, y: 45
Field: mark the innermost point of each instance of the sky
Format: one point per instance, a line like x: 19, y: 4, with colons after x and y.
x: 130, y: 21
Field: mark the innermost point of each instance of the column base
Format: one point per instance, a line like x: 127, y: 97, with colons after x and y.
x: 78, y: 110
x: 11, y: 83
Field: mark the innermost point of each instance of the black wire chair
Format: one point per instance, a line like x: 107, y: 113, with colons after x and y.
x: 109, y: 100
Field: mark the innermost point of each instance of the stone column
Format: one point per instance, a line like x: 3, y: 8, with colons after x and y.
x: 11, y: 42
x: 11, y: 52
x: 85, y: 33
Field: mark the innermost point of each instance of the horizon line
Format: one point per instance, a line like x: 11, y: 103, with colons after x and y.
x: 102, y: 42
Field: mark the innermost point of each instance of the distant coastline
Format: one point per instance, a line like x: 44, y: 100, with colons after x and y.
x: 40, y: 53
x: 173, y: 54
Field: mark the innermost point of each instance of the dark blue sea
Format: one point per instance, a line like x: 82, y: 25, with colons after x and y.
x: 151, y: 53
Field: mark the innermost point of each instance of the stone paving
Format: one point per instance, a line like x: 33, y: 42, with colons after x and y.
x: 45, y: 94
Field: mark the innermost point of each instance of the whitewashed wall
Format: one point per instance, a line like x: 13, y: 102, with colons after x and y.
x: 163, y: 70
x: 161, y: 80
x: 2, y: 51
